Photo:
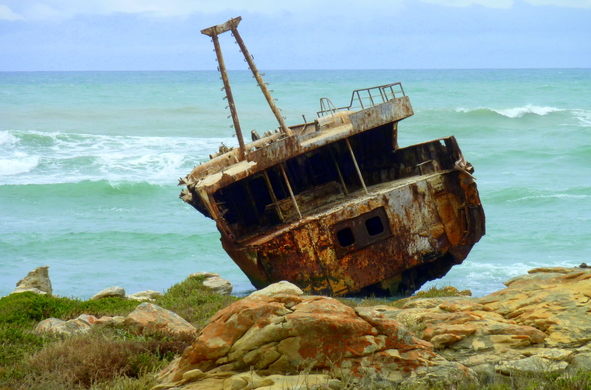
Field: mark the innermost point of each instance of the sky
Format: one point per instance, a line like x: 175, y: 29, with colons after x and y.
x: 55, y: 35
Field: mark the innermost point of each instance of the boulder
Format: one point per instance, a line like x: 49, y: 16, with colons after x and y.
x: 153, y: 318
x: 281, y: 335
x: 145, y: 296
x: 61, y: 327
x: 36, y: 281
x: 110, y: 292
x: 283, y: 287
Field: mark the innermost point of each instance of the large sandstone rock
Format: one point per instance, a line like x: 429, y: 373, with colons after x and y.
x: 283, y: 334
x: 539, y: 324
x: 36, y: 281
x: 150, y: 317
x: 110, y: 292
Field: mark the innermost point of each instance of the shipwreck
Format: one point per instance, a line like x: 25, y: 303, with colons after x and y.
x: 335, y: 205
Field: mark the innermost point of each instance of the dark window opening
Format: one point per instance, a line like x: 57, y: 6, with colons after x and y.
x: 345, y: 237
x: 374, y: 226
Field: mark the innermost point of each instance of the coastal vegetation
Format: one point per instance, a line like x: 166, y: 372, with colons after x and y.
x: 108, y: 357
x: 117, y: 357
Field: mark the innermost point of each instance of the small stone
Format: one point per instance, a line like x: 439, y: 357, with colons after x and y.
x: 145, y: 296
x: 36, y: 281
x: 283, y: 287
x: 110, y: 292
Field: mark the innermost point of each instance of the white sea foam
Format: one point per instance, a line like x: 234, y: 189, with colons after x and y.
x: 551, y: 196
x: 18, y: 165
x: 583, y: 116
x: 6, y: 138
x: 70, y: 157
x: 515, y: 112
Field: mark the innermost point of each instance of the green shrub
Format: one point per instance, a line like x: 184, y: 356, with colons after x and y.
x: 193, y: 302
x: 108, y: 357
x: 28, y: 308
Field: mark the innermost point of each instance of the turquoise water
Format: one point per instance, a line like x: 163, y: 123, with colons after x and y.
x: 89, y: 163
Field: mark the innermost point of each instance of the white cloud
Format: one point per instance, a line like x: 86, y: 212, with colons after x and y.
x: 65, y: 9
x: 8, y: 14
x: 466, y: 3
x: 562, y: 3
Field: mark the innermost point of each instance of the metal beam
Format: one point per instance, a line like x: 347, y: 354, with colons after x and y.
x: 229, y: 96
x: 293, y: 199
x: 336, y: 164
x: 260, y: 81
x: 273, y: 196
x: 222, y: 28
x: 356, y: 166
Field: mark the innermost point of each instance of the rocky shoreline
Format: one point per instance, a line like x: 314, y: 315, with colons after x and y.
x: 278, y: 338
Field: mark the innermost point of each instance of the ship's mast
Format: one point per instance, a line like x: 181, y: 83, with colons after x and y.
x: 232, y: 25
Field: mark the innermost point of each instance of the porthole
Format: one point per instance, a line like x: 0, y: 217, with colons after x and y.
x: 345, y: 237
x: 374, y: 226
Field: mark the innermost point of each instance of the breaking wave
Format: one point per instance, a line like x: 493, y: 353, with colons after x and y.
x: 513, y: 112
x: 18, y: 165
x: 70, y: 157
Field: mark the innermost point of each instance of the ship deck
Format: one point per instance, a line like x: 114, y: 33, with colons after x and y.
x: 337, y: 203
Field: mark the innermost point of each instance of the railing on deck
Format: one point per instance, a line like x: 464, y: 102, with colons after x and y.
x: 363, y: 98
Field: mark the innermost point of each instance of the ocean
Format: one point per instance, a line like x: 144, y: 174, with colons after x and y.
x: 89, y: 165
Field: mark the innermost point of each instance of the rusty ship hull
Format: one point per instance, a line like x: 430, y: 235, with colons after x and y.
x: 422, y: 226
x: 334, y: 205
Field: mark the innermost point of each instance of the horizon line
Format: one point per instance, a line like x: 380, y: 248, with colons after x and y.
x: 291, y: 70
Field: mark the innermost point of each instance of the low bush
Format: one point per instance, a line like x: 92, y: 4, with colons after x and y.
x: 194, y: 302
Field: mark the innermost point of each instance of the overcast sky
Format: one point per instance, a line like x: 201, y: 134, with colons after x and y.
x: 303, y: 34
